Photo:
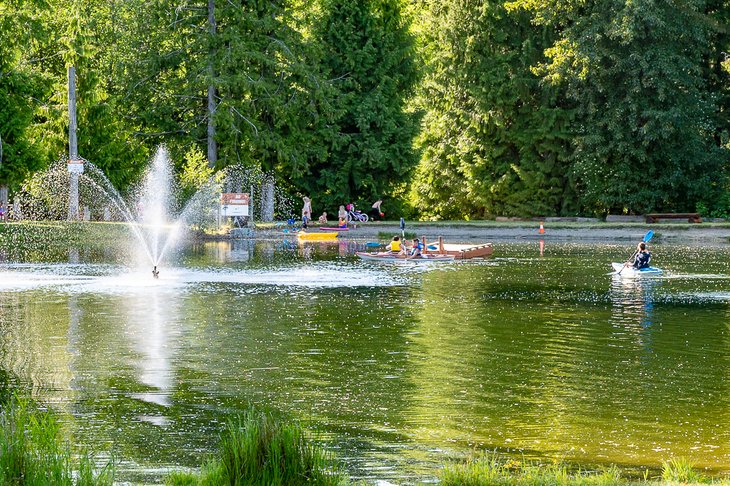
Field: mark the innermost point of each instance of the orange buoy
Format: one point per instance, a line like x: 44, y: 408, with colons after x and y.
x: 542, y: 228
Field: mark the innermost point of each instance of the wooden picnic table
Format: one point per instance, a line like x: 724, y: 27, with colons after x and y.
x: 690, y: 217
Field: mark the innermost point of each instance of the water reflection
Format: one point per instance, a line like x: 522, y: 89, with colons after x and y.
x: 150, y: 329
x: 633, y: 306
x: 396, y: 367
x: 230, y: 250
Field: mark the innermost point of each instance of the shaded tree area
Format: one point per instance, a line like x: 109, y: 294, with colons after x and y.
x: 456, y: 108
x: 647, y: 122
x: 255, y: 62
x: 495, y: 140
x: 367, y: 58
x: 25, y: 89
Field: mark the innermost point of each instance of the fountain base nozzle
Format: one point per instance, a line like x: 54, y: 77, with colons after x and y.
x: 155, y: 272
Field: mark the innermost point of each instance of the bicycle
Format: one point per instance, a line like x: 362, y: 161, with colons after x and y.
x: 356, y: 215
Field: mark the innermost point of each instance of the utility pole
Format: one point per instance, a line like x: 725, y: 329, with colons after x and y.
x: 73, y: 150
x: 3, y: 187
x: 212, y: 145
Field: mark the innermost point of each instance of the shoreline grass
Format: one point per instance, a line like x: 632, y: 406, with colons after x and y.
x: 256, y: 449
x: 492, y: 469
x: 259, y: 449
x: 32, y: 452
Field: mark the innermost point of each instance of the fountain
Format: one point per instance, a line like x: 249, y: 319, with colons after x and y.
x: 152, y: 209
x: 148, y: 215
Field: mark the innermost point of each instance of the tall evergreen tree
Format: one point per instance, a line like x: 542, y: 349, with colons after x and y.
x: 646, y: 134
x: 92, y: 37
x: 495, y: 140
x: 22, y: 85
x: 368, y: 60
x: 255, y: 61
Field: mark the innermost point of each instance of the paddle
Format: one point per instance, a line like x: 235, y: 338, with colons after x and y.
x: 403, y: 235
x: 649, y: 235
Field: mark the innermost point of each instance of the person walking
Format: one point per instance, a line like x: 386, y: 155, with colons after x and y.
x: 376, y: 214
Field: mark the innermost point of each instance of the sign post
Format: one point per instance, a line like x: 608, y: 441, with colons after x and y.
x: 234, y: 204
x: 73, y: 152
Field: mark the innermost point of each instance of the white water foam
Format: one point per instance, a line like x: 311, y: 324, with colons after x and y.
x: 125, y: 281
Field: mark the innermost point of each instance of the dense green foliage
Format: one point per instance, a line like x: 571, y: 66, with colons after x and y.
x: 368, y: 61
x: 461, y: 109
x: 645, y: 131
x: 22, y: 85
x: 495, y: 140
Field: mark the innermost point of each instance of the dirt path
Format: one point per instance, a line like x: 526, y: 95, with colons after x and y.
x: 476, y: 232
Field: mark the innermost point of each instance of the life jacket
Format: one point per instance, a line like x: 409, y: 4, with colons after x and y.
x: 642, y: 260
x: 395, y: 245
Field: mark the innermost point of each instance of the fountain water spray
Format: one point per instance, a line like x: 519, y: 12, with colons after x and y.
x: 151, y: 215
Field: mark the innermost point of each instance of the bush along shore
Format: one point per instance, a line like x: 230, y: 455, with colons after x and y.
x: 27, y: 237
x: 258, y: 449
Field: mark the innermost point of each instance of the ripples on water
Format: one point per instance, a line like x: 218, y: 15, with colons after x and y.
x: 396, y: 366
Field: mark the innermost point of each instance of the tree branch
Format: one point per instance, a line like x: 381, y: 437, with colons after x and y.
x: 246, y: 120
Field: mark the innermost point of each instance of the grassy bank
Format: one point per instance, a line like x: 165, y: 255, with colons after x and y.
x: 494, y: 470
x: 257, y: 449
x: 30, y: 233
x: 33, y: 453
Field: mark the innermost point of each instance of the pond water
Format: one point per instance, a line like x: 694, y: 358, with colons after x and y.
x: 397, y: 368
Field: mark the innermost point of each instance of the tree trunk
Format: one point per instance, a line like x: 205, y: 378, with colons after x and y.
x: 212, y: 145
x: 4, y: 199
x: 267, y: 201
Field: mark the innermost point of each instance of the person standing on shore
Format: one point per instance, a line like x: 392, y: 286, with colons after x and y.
x: 342, y: 217
x: 375, y: 213
x: 307, y: 210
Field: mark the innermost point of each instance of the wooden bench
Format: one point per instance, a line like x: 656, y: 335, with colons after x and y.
x: 690, y: 217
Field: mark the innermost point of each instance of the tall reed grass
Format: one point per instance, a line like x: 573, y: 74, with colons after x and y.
x: 490, y: 469
x: 256, y: 449
x: 33, y: 453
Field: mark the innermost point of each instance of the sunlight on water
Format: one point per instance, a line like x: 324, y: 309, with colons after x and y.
x: 397, y: 367
x: 122, y: 280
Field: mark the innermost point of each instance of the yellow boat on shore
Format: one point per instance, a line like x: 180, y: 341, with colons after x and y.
x: 304, y: 236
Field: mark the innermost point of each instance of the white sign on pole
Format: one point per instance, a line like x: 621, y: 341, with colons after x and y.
x: 76, y: 166
x: 234, y: 204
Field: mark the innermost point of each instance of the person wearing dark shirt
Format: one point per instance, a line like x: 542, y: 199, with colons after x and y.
x: 643, y: 257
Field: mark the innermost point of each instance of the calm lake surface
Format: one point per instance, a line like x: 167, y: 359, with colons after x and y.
x: 396, y: 368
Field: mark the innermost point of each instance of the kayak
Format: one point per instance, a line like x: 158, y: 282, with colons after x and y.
x: 386, y: 256
x: 316, y: 236
x: 630, y: 272
x: 336, y: 228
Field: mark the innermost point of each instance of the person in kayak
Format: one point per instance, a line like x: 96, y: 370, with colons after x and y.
x: 416, y: 249
x: 643, y: 257
x: 394, y: 245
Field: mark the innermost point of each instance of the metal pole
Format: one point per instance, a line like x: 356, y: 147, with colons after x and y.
x: 73, y: 151
x: 251, y: 208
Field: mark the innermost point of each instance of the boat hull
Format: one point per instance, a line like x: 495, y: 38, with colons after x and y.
x: 317, y: 236
x: 394, y: 257
x: 466, y: 252
x: 630, y: 272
